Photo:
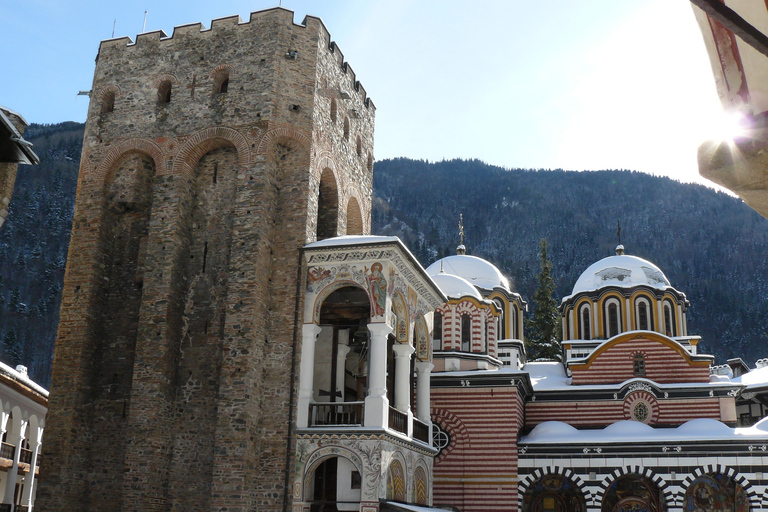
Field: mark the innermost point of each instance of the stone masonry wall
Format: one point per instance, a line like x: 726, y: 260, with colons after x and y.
x: 175, y: 365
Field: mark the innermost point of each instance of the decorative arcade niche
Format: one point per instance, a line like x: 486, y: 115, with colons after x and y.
x: 715, y: 492
x: 554, y: 493
x: 633, y: 493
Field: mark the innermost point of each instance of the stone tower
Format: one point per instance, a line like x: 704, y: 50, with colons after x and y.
x: 210, y: 158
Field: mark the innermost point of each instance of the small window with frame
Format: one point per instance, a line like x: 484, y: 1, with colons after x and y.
x: 638, y: 363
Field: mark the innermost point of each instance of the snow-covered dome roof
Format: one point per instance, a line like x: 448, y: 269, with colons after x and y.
x: 477, y: 271
x: 455, y: 287
x: 621, y: 270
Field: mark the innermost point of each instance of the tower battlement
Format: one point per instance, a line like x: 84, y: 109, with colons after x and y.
x: 159, y: 39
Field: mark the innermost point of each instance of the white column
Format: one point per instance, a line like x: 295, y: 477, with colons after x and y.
x: 572, y: 327
x: 17, y: 439
x: 628, y: 325
x: 377, y: 403
x: 680, y: 330
x: 341, y: 367
x: 403, y: 352
x: 306, y: 373
x: 29, y: 484
x: 423, y: 369
x: 595, y: 326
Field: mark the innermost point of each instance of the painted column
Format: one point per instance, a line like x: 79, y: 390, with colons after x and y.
x: 423, y: 370
x: 306, y: 373
x: 680, y: 331
x: 628, y: 325
x: 403, y: 352
x: 29, y: 485
x: 16, y: 438
x: 660, y: 323
x: 596, y: 326
x: 377, y: 403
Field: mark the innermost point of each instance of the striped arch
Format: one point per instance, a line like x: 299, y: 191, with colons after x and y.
x: 145, y: 146
x: 159, y: 79
x: 551, y: 470
x: 641, y: 396
x: 229, y: 69
x: 204, y: 141
x: 754, y: 499
x: 274, y: 135
x: 451, y: 423
x: 664, y: 489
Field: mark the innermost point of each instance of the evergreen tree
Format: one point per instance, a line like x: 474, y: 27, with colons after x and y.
x: 544, y: 331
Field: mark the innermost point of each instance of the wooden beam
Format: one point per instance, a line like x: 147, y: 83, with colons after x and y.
x: 732, y: 21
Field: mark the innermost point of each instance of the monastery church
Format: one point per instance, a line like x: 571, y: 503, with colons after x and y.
x: 232, y: 338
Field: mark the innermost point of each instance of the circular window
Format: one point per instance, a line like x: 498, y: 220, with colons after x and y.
x: 440, y: 438
x: 641, y: 412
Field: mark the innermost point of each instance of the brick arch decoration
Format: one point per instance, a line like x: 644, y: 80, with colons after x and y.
x: 159, y: 79
x: 641, y: 396
x: 664, y: 490
x: 352, y: 193
x: 754, y: 499
x: 451, y: 423
x: 114, y: 88
x: 275, y: 135
x: 114, y: 155
x: 229, y: 69
x: 204, y: 141
x: 551, y: 470
x: 321, y: 455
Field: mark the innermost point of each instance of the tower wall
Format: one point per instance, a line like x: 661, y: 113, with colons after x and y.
x: 174, y: 369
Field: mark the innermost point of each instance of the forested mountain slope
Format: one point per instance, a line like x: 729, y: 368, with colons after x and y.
x: 710, y: 245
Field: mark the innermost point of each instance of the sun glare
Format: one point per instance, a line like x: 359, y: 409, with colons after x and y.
x: 728, y: 126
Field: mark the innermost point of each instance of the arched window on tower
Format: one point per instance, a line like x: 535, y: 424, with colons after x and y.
x: 221, y: 81
x: 638, y: 365
x: 669, y: 319
x: 108, y: 102
x: 327, y: 206
x: 333, y: 111
x: 585, y: 322
x: 643, y: 315
x: 466, y: 333
x: 614, y: 318
x: 501, y: 333
x: 164, y: 92
x: 437, y: 332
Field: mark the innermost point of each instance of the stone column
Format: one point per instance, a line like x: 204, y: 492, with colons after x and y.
x: 309, y: 335
x: 16, y: 438
x: 403, y: 352
x: 423, y: 369
x: 377, y: 403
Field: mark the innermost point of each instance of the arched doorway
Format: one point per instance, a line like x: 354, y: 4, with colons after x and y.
x: 554, y: 493
x: 633, y: 493
x: 336, y: 486
x: 715, y: 492
x: 341, y: 358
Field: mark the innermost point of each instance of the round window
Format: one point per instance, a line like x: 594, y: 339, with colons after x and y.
x: 440, y: 438
x: 641, y: 412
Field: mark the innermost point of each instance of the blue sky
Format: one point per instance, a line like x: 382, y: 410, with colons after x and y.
x: 573, y: 84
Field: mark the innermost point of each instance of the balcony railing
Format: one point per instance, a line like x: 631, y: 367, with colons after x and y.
x: 5, y: 507
x: 25, y: 456
x: 420, y: 431
x: 398, y: 420
x: 335, y: 413
x: 7, y: 451
x: 39, y: 458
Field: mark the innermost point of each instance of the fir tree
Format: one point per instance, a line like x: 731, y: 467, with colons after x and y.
x: 544, y: 331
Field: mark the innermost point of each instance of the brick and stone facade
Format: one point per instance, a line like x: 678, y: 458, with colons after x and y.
x: 210, y: 158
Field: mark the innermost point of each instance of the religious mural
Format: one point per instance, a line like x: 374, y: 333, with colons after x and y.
x: 554, y: 493
x: 715, y: 492
x: 633, y: 493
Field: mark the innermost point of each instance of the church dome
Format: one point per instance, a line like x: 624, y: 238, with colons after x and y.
x: 476, y: 271
x: 623, y: 271
x: 455, y: 287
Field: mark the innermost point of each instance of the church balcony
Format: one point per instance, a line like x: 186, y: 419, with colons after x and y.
x: 7, y: 451
x: 398, y: 421
x: 25, y: 456
x: 336, y: 413
x: 420, y: 431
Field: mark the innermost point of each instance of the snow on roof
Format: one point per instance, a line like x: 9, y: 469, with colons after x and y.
x: 455, y: 287
x: 703, y: 429
x: 624, y: 271
x: 23, y: 378
x: 352, y: 240
x: 756, y: 377
x: 412, y: 508
x: 476, y: 270
x: 547, y: 375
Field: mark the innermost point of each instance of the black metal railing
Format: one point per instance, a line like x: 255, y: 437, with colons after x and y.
x: 336, y: 413
x: 25, y: 456
x: 7, y: 451
x: 420, y: 431
x: 398, y: 420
